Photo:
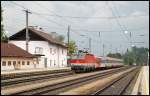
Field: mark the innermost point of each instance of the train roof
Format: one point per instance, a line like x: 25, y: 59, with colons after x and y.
x: 110, y: 58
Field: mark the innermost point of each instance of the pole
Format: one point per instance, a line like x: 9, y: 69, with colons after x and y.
x: 130, y: 41
x: 100, y: 43
x: 116, y: 50
x: 110, y: 48
x: 27, y: 31
x: 147, y: 58
x: 121, y: 51
x: 89, y: 44
x: 103, y: 50
x: 68, y: 35
x: 131, y: 45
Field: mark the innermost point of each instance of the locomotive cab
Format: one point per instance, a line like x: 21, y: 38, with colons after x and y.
x: 84, y: 62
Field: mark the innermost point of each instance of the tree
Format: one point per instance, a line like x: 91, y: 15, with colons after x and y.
x: 127, y: 58
x: 57, y: 37
x: 114, y: 55
x: 136, y: 55
x: 60, y: 38
x: 4, y: 38
x: 72, y: 47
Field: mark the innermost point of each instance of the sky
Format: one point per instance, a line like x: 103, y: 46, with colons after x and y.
x: 107, y: 23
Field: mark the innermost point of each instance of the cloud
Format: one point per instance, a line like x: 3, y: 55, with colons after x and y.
x: 14, y: 19
x: 137, y: 13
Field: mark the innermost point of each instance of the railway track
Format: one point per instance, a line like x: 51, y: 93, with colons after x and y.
x: 5, y: 83
x: 118, y: 86
x: 29, y: 74
x: 63, y: 86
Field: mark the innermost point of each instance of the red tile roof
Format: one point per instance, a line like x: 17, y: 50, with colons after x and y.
x: 11, y: 50
x: 42, y: 34
x: 47, y: 36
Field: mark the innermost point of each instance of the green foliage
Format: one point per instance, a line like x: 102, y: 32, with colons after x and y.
x: 72, y: 47
x: 57, y: 37
x: 128, y: 58
x: 114, y: 55
x: 2, y: 30
x: 60, y: 38
x: 4, y: 38
x: 136, y: 55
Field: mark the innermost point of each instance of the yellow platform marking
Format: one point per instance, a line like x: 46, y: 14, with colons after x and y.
x: 145, y: 82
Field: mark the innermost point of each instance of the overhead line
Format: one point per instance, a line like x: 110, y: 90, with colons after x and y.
x: 76, y: 17
x: 56, y: 22
x: 50, y: 11
x: 36, y: 13
x: 62, y: 25
x: 122, y: 30
x: 50, y: 20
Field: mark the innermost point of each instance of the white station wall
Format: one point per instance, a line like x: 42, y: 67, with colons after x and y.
x: 56, y: 58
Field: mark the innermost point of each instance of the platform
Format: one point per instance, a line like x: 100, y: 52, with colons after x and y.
x: 33, y: 70
x: 142, y: 84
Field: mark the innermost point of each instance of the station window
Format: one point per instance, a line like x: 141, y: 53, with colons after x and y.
x: 50, y: 50
x: 50, y: 62
x: 14, y: 63
x: 39, y: 50
x: 9, y: 63
x: 4, y: 63
x: 54, y: 62
x: 28, y: 62
x: 62, y: 51
x: 18, y: 62
x: 54, y: 51
x: 23, y: 63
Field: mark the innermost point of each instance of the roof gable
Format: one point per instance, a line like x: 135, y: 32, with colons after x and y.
x: 11, y: 50
x: 36, y: 35
x: 21, y: 35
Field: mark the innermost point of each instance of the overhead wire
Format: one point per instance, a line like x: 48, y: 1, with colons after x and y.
x: 36, y: 13
x: 62, y: 25
x: 76, y: 17
x: 55, y: 22
x: 51, y: 11
x: 122, y: 30
x: 40, y: 15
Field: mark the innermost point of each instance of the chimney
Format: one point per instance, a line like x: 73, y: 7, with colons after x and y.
x: 37, y: 28
x: 54, y: 35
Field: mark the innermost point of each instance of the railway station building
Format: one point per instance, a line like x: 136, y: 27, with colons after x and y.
x: 15, y: 58
x: 51, y: 52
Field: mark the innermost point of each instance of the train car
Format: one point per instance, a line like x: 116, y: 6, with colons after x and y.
x: 108, y: 62
x: 84, y: 62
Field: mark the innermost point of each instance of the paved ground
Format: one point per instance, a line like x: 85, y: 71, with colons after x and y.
x: 37, y: 85
x: 34, y: 86
x: 145, y: 81
x: 142, y: 83
x: 33, y: 70
x: 92, y: 87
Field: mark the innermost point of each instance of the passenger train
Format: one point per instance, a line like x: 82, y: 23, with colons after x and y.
x: 85, y: 62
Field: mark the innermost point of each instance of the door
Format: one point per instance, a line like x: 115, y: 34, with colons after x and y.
x: 45, y: 62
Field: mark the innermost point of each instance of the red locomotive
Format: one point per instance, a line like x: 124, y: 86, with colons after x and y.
x: 84, y: 62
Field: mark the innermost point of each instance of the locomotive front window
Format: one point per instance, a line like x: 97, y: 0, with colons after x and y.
x: 81, y: 56
x: 78, y: 56
x: 74, y: 57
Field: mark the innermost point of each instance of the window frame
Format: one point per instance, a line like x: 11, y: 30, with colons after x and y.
x: 23, y: 62
x: 9, y: 63
x: 62, y: 51
x: 38, y: 50
x: 28, y: 62
x: 3, y: 63
x: 14, y: 63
